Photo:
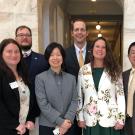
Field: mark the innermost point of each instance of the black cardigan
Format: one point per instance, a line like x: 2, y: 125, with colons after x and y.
x: 10, y: 104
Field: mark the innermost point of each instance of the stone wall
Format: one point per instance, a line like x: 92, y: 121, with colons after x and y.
x: 18, y: 12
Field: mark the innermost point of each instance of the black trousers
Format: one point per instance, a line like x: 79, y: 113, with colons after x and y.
x: 43, y: 130
x: 128, y: 126
x: 76, y: 128
x: 6, y: 131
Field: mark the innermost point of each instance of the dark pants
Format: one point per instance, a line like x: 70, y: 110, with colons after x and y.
x: 6, y: 131
x: 77, y: 130
x: 128, y: 126
x: 43, y: 130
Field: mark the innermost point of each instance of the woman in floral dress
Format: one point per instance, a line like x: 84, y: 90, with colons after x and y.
x: 101, y: 109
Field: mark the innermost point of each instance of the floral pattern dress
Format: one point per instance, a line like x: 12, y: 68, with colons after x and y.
x: 97, y: 103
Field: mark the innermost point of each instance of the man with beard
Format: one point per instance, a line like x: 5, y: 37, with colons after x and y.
x: 35, y: 62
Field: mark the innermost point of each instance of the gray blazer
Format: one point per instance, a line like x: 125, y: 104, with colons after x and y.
x: 55, y: 105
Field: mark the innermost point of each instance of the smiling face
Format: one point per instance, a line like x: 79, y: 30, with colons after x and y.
x: 79, y: 32
x: 24, y: 38
x: 55, y: 59
x: 11, y: 55
x: 131, y: 56
x: 99, y: 50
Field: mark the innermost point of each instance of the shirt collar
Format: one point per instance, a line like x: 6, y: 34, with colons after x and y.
x: 54, y: 73
x: 132, y: 70
x: 26, y: 53
x: 78, y: 49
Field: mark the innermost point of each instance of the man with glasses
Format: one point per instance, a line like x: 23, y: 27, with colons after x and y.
x: 129, y: 88
x: 78, y: 54
x: 35, y: 62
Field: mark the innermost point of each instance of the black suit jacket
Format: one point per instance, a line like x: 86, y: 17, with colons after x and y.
x: 126, y: 75
x: 10, y: 104
x: 36, y: 63
x: 71, y: 62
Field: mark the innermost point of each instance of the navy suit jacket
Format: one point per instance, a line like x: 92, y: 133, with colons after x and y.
x: 71, y: 61
x: 36, y: 63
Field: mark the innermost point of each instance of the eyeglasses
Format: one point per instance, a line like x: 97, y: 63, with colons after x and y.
x: 23, y: 35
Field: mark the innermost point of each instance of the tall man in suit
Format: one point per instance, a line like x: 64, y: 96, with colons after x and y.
x: 128, y: 81
x: 72, y: 62
x: 35, y: 62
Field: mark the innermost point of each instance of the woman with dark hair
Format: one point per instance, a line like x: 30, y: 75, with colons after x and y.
x: 56, y: 95
x: 16, y: 104
x: 101, y: 109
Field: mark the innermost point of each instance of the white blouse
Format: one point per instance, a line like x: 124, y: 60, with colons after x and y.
x: 24, y: 94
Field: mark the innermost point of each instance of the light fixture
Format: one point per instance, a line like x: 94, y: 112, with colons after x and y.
x: 98, y: 26
x: 93, y: 0
x: 99, y: 34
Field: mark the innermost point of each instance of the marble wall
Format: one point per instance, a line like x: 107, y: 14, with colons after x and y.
x: 32, y: 13
x: 18, y: 12
x: 128, y: 30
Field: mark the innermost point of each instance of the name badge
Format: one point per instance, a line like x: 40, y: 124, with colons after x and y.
x: 13, y: 85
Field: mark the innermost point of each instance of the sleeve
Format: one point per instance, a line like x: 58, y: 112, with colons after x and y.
x: 47, y: 110
x: 70, y: 114
x: 80, y: 96
x: 33, y: 108
x: 120, y: 101
x: 7, y: 118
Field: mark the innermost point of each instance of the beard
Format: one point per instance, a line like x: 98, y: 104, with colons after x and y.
x: 26, y: 47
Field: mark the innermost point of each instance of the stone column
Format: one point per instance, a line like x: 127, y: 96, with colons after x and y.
x: 129, y: 30
x: 18, y: 12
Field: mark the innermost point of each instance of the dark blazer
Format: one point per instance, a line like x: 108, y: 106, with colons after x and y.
x: 36, y: 64
x: 72, y: 67
x: 71, y: 62
x: 126, y: 75
x: 10, y: 104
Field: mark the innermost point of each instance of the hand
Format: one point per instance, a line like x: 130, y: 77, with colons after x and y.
x: 65, y: 126
x: 118, y: 126
x: 62, y: 131
x: 21, y: 129
x: 82, y: 124
x: 30, y: 125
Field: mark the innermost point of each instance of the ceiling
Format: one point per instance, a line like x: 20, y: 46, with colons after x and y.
x: 109, y: 13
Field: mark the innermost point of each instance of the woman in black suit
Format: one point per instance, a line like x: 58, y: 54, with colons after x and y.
x: 16, y: 105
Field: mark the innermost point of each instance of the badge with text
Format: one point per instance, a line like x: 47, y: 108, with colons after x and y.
x: 13, y: 85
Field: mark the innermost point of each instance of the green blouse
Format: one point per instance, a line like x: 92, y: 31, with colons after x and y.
x: 97, y: 72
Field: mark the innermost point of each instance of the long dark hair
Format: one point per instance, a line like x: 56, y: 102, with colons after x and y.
x: 110, y: 64
x: 21, y: 68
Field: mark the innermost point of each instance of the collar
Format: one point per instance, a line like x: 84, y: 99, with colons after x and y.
x: 78, y: 49
x: 26, y: 53
x: 132, y: 70
x: 54, y: 73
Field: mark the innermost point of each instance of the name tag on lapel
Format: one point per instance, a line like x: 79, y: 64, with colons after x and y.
x: 13, y: 85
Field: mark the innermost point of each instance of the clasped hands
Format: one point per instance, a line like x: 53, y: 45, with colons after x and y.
x: 117, y: 126
x: 21, y: 129
x: 63, y: 128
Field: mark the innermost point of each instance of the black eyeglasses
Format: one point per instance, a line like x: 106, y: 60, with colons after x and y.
x: 23, y: 35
